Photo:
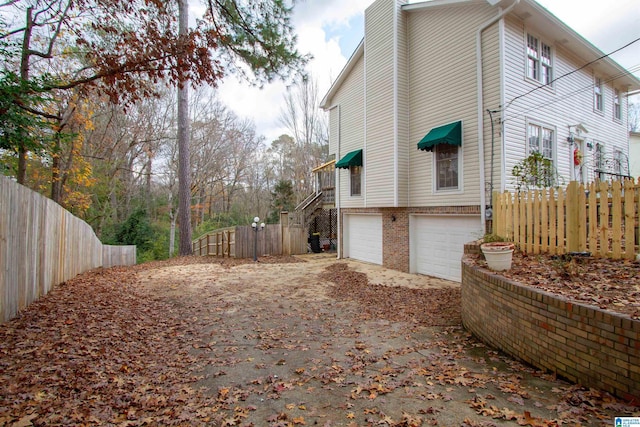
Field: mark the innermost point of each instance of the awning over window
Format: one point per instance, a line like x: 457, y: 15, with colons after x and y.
x: 448, y: 134
x: 353, y: 158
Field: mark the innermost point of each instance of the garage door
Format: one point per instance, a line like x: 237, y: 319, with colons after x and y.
x: 437, y: 244
x: 363, y: 238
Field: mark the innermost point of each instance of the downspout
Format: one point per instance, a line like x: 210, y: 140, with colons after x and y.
x: 337, y: 190
x: 479, y: 85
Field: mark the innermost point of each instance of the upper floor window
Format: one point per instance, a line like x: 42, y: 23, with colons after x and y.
x: 539, y: 61
x: 446, y: 167
x: 355, y: 174
x: 598, y: 98
x: 617, y: 111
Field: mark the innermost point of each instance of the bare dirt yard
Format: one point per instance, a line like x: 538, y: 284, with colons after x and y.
x: 298, y: 341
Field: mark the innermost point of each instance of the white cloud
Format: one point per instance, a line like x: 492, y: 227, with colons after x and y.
x: 323, y: 25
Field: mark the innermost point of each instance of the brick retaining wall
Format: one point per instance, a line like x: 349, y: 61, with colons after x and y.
x: 582, y: 343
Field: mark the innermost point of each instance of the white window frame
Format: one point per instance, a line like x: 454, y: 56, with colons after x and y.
x: 455, y: 150
x: 352, y: 182
x: 539, y: 60
x: 598, y: 95
x: 435, y: 170
x: 617, y: 106
x: 548, y: 152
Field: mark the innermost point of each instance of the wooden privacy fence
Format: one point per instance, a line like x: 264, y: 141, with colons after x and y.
x: 600, y: 218
x: 220, y: 243
x: 42, y: 245
x: 238, y: 242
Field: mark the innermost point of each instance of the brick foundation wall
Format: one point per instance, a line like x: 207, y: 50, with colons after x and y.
x: 582, y: 343
x: 395, y: 239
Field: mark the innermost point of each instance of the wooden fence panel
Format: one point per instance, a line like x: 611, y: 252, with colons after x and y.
x: 239, y: 242
x: 42, y: 245
x: 601, y: 218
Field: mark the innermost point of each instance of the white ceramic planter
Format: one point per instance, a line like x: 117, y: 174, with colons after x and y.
x: 498, y: 255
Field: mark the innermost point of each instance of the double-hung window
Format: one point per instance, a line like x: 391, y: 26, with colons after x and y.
x: 598, y: 98
x: 617, y: 111
x: 539, y: 60
x: 540, y: 140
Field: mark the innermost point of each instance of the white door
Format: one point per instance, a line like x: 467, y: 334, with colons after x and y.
x: 437, y: 243
x: 363, y: 238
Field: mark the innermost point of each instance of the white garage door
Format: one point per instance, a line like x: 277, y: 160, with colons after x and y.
x: 363, y: 238
x: 437, y: 244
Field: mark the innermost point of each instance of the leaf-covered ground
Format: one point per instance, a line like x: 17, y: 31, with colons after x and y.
x: 279, y: 343
x: 609, y: 284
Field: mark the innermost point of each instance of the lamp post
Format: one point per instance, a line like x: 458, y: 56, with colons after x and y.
x: 256, y: 228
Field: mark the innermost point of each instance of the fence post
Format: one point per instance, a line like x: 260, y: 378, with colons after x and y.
x: 629, y: 219
x: 572, y: 218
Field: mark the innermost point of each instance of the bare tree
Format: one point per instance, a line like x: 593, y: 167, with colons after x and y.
x: 307, y: 124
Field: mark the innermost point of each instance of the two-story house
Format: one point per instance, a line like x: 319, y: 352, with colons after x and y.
x: 440, y: 101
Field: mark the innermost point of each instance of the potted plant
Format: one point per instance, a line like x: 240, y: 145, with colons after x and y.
x: 498, y: 254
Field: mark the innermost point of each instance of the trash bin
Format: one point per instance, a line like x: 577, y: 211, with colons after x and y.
x: 314, y: 241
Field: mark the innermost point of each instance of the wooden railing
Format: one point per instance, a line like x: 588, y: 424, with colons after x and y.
x: 42, y: 245
x: 600, y: 218
x: 219, y: 243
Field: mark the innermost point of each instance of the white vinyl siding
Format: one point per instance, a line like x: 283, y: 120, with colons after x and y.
x: 402, y: 112
x: 571, y: 102
x: 442, y: 82
x: 349, y: 129
x: 379, y: 185
x: 334, y: 130
x: 492, y: 100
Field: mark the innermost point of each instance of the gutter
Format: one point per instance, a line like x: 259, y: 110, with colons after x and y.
x: 480, y: 94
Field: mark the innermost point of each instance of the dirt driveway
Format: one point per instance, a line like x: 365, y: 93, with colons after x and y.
x: 269, y: 344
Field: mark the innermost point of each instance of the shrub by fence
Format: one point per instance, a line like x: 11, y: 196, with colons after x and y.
x: 42, y: 245
x: 601, y: 218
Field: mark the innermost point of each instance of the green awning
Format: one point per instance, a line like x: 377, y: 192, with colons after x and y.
x: 448, y: 134
x: 353, y: 158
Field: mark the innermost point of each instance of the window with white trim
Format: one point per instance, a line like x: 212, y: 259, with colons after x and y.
x: 598, y: 95
x: 447, y: 167
x: 539, y: 60
x: 355, y: 177
x: 617, y: 110
x: 541, y: 140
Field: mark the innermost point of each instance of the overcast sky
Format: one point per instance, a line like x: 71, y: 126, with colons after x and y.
x: 331, y: 29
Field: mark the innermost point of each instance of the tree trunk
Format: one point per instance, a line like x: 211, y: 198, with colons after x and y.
x: 172, y: 232
x: 184, y: 168
x: 24, y: 76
